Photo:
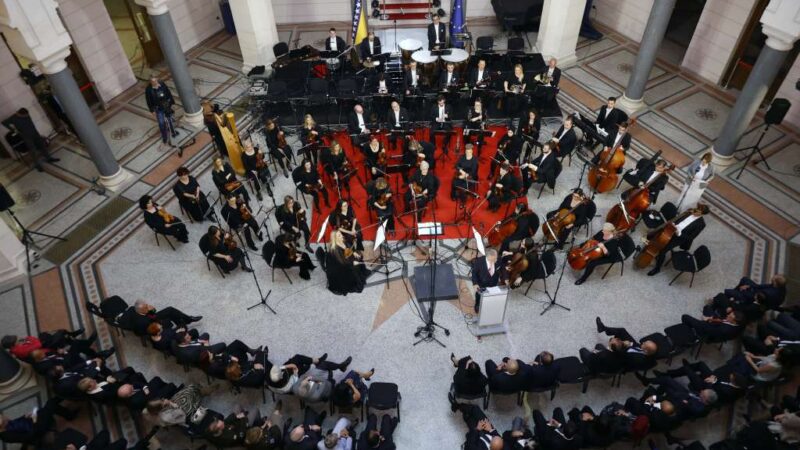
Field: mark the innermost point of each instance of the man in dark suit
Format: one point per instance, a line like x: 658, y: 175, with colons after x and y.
x: 601, y: 360
x: 556, y: 433
x: 689, y: 403
x: 509, y: 377
x: 728, y: 384
x: 543, y: 373
x: 334, y: 43
x: 369, y: 47
x: 609, y: 116
x: 566, y: 138
x: 635, y: 355
x: 437, y: 34
x: 442, y: 115
x: 306, y: 435
x: 485, y: 273
x: 619, y: 137
x: 480, y: 74
x: 644, y: 165
x: 717, y: 329
x: 688, y: 228
x: 411, y: 80
x: 774, y: 291
x: 552, y: 75
x: 358, y: 125
x: 190, y: 346
x: 79, y: 441
x: 656, y: 179
x: 545, y: 165
x: 371, y: 438
x: 142, y: 314
x: 662, y: 415
x: 448, y: 78
x: 397, y: 119
x: 481, y: 434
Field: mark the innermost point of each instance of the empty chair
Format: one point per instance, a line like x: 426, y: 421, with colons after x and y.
x: 280, y: 49
x: 516, y: 45
x: 572, y: 371
x: 654, y: 219
x: 682, y: 337
x: 485, y: 44
x: 684, y: 261
x: 591, y: 211
x: 383, y: 396
x: 552, y: 183
x: 624, y: 251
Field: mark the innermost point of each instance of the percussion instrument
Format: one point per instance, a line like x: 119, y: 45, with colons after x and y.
x: 333, y: 64
x: 427, y: 65
x: 370, y: 64
x: 459, y: 58
x: 407, y: 48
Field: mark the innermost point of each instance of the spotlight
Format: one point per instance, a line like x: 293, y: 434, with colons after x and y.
x: 375, y: 3
x: 437, y: 3
x: 376, y: 13
x: 440, y: 12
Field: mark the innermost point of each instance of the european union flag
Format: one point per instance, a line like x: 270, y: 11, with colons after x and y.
x: 457, y: 24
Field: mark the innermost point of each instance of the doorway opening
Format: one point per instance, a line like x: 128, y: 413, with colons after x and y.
x: 681, y: 27
x: 136, y: 35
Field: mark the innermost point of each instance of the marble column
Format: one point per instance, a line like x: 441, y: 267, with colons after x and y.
x: 633, y: 98
x: 558, y: 31
x: 781, y: 23
x: 15, y: 376
x: 256, y: 31
x: 12, y: 254
x: 34, y: 30
x: 176, y: 60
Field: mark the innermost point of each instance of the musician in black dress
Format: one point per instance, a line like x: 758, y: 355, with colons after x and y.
x: 276, y: 143
x: 528, y: 131
x: 514, y: 88
x: 221, y: 247
x: 566, y: 138
x: 504, y: 187
x: 466, y: 177
x: 256, y: 169
x: 288, y: 255
x: 382, y: 201
x: 335, y: 164
x: 375, y: 157
x: 225, y: 180
x: 189, y: 195
x: 608, y: 244
x: 342, y: 218
x: 397, y: 121
x: 345, y: 271
x: 654, y: 177
x: 306, y: 178
x: 688, y: 226
x: 509, y: 148
x: 543, y: 166
x: 422, y: 187
x: 240, y: 218
x: 159, y: 220
x: 292, y: 219
x: 527, y: 224
x: 441, y: 115
x: 476, y: 120
x: 448, y: 78
x: 310, y: 138
x: 578, y: 204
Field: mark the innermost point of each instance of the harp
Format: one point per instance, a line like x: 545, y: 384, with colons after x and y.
x: 233, y: 145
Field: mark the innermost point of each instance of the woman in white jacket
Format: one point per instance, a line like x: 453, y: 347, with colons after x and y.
x: 699, y: 174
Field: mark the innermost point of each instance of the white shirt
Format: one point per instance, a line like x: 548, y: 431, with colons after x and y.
x: 414, y: 78
x: 449, y: 77
x: 617, y: 140
x: 550, y: 72
x: 441, y: 112
x: 563, y: 133
x: 333, y: 44
x: 397, y: 118
x: 371, y: 47
x: 680, y: 226
x: 490, y: 266
x: 436, y: 32
x: 653, y: 176
x: 361, y: 125
x: 382, y: 85
x: 701, y: 171
x: 480, y: 75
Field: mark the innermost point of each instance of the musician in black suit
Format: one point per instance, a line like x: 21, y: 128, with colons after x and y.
x: 358, y: 125
x: 448, y: 78
x: 479, y: 76
x: 397, y: 120
x: 411, y: 78
x: 576, y: 202
x: 509, y: 148
x: 334, y: 43
x: 566, y: 139
x: 544, y: 166
x: 426, y: 183
x: 609, y: 116
x: 369, y: 47
x: 527, y: 225
x: 505, y: 186
x: 466, y: 176
x: 620, y: 137
x: 655, y: 177
x: 442, y: 115
x: 607, y: 242
x: 688, y: 227
x: 644, y: 165
x: 551, y: 76
x: 437, y: 34
x: 486, y: 271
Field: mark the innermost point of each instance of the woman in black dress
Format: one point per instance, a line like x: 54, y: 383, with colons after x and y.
x: 514, y: 88
x: 335, y: 164
x: 292, y: 219
x: 306, y: 178
x: 577, y: 203
x: 256, y: 169
x: 375, y: 157
x: 528, y: 131
x: 189, y: 195
x: 310, y: 138
x: 276, y: 143
x: 466, y: 176
x: 468, y: 379
x: 343, y: 219
x: 160, y: 221
x: 225, y: 180
x: 476, y: 120
x: 288, y: 255
x: 343, y: 266
x: 221, y: 247
x: 382, y: 201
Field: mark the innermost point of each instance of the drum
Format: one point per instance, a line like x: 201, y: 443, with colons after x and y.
x: 333, y: 64
x: 427, y: 65
x: 459, y: 57
x: 408, y: 47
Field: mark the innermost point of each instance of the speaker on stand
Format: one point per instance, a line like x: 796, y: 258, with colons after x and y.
x: 774, y: 116
x: 6, y: 203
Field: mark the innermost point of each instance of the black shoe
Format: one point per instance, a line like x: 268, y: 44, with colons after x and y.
x: 323, y: 357
x: 653, y: 272
x: 685, y: 362
x: 643, y: 379
x: 453, y: 359
x: 259, y: 196
x: 600, y: 327
x: 52, y: 160
x: 106, y: 353
x: 659, y: 373
x: 76, y: 333
x: 286, y: 174
x: 345, y: 363
x: 175, y: 134
x: 579, y: 281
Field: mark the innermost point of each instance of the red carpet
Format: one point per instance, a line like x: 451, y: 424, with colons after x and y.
x: 456, y: 226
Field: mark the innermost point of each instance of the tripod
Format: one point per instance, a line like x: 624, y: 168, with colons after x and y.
x: 554, y: 297
x: 753, y: 150
x: 263, y: 298
x: 28, y: 241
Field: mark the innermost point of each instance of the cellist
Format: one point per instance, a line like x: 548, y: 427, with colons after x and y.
x: 577, y: 203
x: 503, y: 188
x: 607, y: 243
x: 518, y: 272
x: 656, y: 179
x: 527, y: 223
x: 619, y: 137
x: 687, y: 227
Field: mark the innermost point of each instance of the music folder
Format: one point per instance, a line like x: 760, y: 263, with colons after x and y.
x: 492, y: 317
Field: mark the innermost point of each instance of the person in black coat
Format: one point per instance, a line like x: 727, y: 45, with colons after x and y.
x: 557, y: 433
x: 358, y: 125
x: 372, y: 438
x: 441, y: 116
x: 160, y: 102
x: 655, y: 180
x: 479, y: 76
x: 468, y: 379
x: 636, y: 356
x: 690, y: 404
x: 715, y: 329
x: 437, y: 34
x: 334, y: 43
x: 429, y: 185
x: 609, y: 116
x: 481, y: 434
x: 287, y: 255
x: 576, y: 202
x: 544, y: 166
x: 306, y: 435
x: 21, y: 123
x: 746, y: 289
x: 486, y: 272
x: 543, y: 373
x: 595, y: 431
x: 509, y: 148
x: 31, y: 428
x: 552, y: 75
x: 619, y: 137
x: 369, y: 47
x: 504, y: 188
x: 397, y: 119
x: 162, y: 222
x: 466, y: 177
x: 448, y: 78
x: 643, y: 166
x: 662, y: 415
x: 689, y: 225
x: 508, y: 377
x: 306, y: 178
x: 411, y: 78
x: 728, y: 384
x: 566, y: 138
x: 607, y: 239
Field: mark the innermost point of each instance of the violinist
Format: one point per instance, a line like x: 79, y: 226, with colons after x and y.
x: 396, y: 120
x: 256, y: 169
x: 416, y: 152
x: 335, y: 164
x: 310, y: 138
x: 486, y: 272
x: 225, y: 180
x: 287, y: 255
x: 239, y: 218
x: 306, y: 178
x: 575, y: 203
x: 343, y: 219
x: 380, y: 197
x: 466, y: 176
x: 566, y: 138
x: 344, y: 268
x: 687, y: 227
x: 189, y: 195
x: 514, y: 88
x: 422, y: 188
x: 527, y: 225
x: 528, y: 131
x: 221, y: 247
x: 442, y: 116
x: 292, y: 219
x: 278, y: 148
x: 160, y: 221
x: 519, y: 272
x: 476, y: 120
x: 376, y: 157
x: 542, y: 169
x: 655, y: 177
x: 503, y: 188
x: 607, y: 243
x: 508, y: 149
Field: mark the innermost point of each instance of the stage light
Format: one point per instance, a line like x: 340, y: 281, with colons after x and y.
x: 437, y: 3
x: 375, y: 4
x: 376, y: 13
x: 440, y: 12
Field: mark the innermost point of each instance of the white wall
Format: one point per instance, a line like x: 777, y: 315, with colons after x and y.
x: 15, y: 94
x: 195, y: 20
x: 626, y: 17
x: 479, y: 8
x: 97, y: 44
x: 307, y: 11
x: 789, y: 92
x: 714, y: 41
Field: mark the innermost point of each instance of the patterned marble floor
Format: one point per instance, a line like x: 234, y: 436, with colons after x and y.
x: 753, y: 218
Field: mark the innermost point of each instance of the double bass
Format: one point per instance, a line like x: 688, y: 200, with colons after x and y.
x: 500, y: 232
x: 625, y: 214
x: 603, y: 176
x: 658, y: 239
x: 553, y: 227
x: 579, y: 257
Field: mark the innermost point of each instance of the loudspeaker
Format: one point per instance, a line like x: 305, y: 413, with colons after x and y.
x: 777, y: 110
x: 6, y: 201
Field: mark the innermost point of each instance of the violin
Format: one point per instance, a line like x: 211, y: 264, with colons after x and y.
x: 658, y: 239
x: 245, y: 212
x: 417, y: 188
x: 292, y: 250
x: 579, y: 257
x: 282, y: 140
x: 260, y: 163
x: 553, y: 227
x: 382, y: 158
x: 301, y: 216
x: 232, y: 186
x: 168, y: 218
x: 624, y: 215
x: 383, y: 199
x: 229, y: 242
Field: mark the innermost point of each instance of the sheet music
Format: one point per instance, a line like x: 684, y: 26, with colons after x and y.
x: 322, y: 230
x: 380, y: 236
x: 430, y: 228
x: 479, y: 242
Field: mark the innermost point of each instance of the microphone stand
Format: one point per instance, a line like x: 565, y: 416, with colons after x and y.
x: 554, y: 297
x: 426, y: 333
x: 262, y: 298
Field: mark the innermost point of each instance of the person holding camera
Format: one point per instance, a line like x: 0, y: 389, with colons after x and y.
x: 160, y: 102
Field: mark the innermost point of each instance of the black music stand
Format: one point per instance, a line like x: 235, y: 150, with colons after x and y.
x: 6, y: 203
x: 753, y: 150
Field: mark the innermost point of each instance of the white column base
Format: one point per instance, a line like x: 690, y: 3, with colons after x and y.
x: 722, y: 160
x: 631, y: 106
x: 24, y: 379
x: 12, y: 253
x: 195, y: 119
x: 118, y: 181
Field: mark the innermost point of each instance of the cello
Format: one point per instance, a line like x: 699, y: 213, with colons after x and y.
x: 502, y: 230
x: 658, y: 239
x: 579, y: 257
x: 553, y: 227
x: 625, y: 214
